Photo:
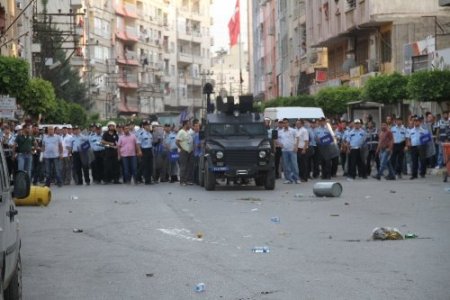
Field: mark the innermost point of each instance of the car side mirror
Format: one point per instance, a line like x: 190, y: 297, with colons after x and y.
x: 274, y: 134
x: 21, y: 185
x: 201, y: 134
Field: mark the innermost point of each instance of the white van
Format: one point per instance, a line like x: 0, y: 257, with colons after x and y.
x: 293, y: 113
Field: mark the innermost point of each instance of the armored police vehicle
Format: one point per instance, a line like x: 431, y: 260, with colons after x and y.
x: 10, y: 263
x: 237, y: 147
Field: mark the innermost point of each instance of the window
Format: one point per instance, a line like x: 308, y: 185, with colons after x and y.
x: 101, y: 53
x: 386, y: 47
x: 420, y: 63
x: 101, y: 27
x: 350, y: 5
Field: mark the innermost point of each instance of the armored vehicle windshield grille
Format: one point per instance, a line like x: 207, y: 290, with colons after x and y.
x: 241, y: 157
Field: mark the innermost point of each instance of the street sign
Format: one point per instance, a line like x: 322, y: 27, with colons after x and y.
x: 6, y: 114
x: 7, y: 103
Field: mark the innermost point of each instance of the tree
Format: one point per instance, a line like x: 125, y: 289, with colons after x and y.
x: 430, y: 86
x: 66, y: 81
x: 38, y: 98
x: 60, y: 115
x: 77, y: 114
x: 333, y: 100
x: 387, y: 89
x: 13, y: 76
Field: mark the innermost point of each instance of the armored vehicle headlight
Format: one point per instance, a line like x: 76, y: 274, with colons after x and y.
x: 262, y: 154
x: 219, y: 154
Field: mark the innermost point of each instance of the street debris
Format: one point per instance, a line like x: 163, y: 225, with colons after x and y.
x: 410, y: 235
x: 299, y: 195
x: 353, y: 241
x: 200, y: 287
x: 334, y: 215
x: 346, y: 203
x: 73, y: 197
x: 275, y: 220
x: 263, y: 249
x: 77, y: 230
x: 254, y: 209
x: 149, y: 275
x: 199, y: 235
x: 386, y: 233
x: 392, y: 191
x: 447, y: 190
x: 268, y: 292
x: 367, y: 197
x: 327, y: 189
x: 250, y: 199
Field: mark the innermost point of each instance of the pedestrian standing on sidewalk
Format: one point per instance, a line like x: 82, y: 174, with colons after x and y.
x: 80, y: 169
x: 384, y: 150
x: 356, y: 140
x: 128, y: 150
x: 185, y: 145
x: 52, y: 149
x: 417, y: 139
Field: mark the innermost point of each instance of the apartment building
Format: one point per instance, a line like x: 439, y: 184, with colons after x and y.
x: 137, y: 57
x: 226, y: 73
x: 264, y: 47
x: 365, y: 37
x: 9, y: 44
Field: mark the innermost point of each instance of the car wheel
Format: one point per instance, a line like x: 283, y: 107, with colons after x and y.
x: 269, y: 183
x: 210, y: 179
x: 14, y: 290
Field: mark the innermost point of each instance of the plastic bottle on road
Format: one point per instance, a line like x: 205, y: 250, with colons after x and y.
x: 263, y: 249
x: 275, y: 220
x: 200, y: 287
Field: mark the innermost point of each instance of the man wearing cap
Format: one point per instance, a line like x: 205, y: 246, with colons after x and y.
x: 95, y: 140
x: 80, y: 169
x: 314, y: 159
x: 185, y: 145
x: 356, y: 140
x: 111, y: 164
x: 417, y: 138
x: 323, y: 138
x: 145, y: 142
x: 23, y: 148
x: 398, y: 151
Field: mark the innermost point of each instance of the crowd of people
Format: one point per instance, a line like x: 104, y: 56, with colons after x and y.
x: 306, y: 150
x: 151, y: 153
x: 61, y: 155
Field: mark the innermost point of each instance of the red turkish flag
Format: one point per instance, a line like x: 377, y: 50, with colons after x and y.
x: 234, y: 26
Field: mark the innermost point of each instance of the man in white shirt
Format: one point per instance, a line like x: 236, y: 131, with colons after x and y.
x: 66, y: 166
x: 287, y: 142
x: 302, y: 141
x: 52, y: 150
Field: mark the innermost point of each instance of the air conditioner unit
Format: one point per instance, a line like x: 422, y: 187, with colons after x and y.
x: 19, y: 4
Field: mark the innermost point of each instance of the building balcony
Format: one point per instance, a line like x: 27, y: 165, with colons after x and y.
x: 188, y: 58
x: 127, y: 36
x: 126, y: 10
x: 127, y: 81
x: 77, y: 61
x: 125, y: 107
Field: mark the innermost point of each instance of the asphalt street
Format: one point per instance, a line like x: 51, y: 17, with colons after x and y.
x: 159, y: 241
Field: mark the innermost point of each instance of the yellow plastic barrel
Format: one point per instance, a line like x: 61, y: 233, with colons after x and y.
x: 39, y: 195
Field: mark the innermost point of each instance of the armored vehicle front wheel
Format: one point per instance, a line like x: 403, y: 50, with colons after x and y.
x: 210, y: 179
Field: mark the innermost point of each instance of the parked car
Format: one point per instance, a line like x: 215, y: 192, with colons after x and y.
x: 10, y: 262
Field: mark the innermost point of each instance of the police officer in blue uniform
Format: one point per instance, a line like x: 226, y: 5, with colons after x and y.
x: 314, y: 159
x: 80, y: 169
x: 399, y: 132
x: 323, y: 138
x: 95, y: 139
x: 145, y: 141
x: 356, y: 140
x: 416, y: 142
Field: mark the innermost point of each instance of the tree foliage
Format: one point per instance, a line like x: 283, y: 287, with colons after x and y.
x: 333, y: 100
x: 77, y: 114
x: 38, y: 98
x: 387, y: 89
x: 13, y: 76
x: 430, y: 86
